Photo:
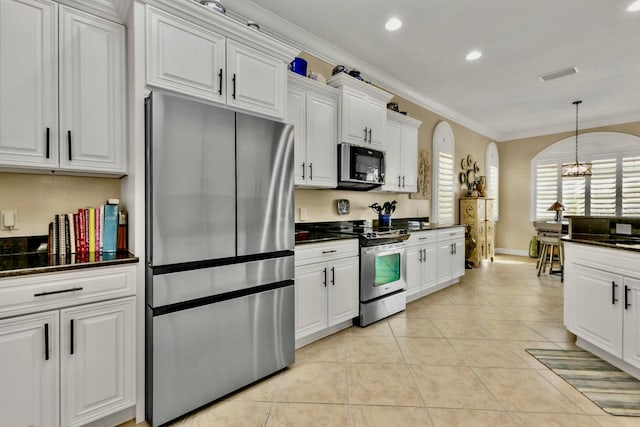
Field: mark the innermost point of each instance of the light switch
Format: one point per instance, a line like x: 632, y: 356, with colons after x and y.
x: 623, y: 229
x: 9, y: 220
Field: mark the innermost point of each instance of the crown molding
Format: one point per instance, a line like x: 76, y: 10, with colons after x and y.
x: 584, y: 126
x: 282, y: 29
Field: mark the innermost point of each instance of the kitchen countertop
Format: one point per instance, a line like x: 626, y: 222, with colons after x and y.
x: 613, y: 241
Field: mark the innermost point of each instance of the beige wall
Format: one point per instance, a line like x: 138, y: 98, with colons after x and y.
x: 36, y: 198
x: 321, y: 204
x: 515, y: 229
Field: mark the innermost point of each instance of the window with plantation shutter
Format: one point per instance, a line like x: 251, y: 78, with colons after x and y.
x: 492, y: 167
x: 603, y: 188
x: 546, y: 190
x: 613, y: 189
x: 631, y: 186
x: 442, y: 209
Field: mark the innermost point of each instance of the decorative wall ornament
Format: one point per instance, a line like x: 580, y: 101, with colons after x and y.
x: 424, y: 176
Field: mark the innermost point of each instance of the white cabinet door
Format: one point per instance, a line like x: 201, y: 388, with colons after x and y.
x: 430, y: 267
x: 444, y: 256
x: 415, y: 261
x: 97, y: 367
x: 393, y: 158
x: 28, y: 84
x: 631, y: 327
x: 256, y: 82
x: 343, y: 290
x: 321, y: 140
x: 311, y: 299
x: 184, y: 57
x: 409, y: 138
x: 457, y: 260
x: 598, y: 308
x: 354, y: 117
x: 296, y: 115
x: 92, y: 93
x: 377, y: 120
x: 29, y: 370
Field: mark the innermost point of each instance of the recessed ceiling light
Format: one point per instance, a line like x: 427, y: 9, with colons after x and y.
x: 473, y: 55
x: 634, y: 7
x: 393, y: 24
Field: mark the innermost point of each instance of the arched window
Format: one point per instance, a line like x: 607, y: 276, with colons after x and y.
x: 442, y: 209
x: 612, y: 190
x: 492, y: 167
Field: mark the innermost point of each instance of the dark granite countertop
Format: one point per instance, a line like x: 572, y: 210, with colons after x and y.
x: 21, y: 256
x: 613, y: 241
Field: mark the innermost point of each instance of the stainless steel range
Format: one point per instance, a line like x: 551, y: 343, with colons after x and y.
x: 382, y: 273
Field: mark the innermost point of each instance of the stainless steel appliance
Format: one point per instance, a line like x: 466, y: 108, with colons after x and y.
x: 220, y: 239
x: 360, y: 168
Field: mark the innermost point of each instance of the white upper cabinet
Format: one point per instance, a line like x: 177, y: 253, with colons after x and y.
x: 74, y: 120
x: 92, y: 93
x: 363, y: 114
x: 211, y: 57
x: 401, y: 147
x: 255, y: 81
x: 184, y: 57
x: 313, y: 109
x: 28, y: 84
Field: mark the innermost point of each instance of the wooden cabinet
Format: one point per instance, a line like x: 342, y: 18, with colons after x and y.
x: 421, y: 263
x: 478, y: 213
x: 97, y: 342
x: 312, y: 108
x: 75, y: 363
x: 92, y: 94
x: 363, y: 111
x: 327, y: 288
x: 602, y: 302
x: 73, y: 121
x: 188, y: 58
x: 29, y: 84
x: 450, y: 255
x: 29, y: 379
x: 401, y: 147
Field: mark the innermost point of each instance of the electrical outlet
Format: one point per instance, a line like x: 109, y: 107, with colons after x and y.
x: 623, y: 229
x: 9, y: 220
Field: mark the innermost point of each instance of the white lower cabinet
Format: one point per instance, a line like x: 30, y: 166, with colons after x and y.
x: 421, y: 263
x: 450, y: 256
x: 67, y: 367
x: 326, y: 285
x: 30, y: 358
x: 602, y: 301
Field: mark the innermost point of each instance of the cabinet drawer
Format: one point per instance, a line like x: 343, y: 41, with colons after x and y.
x: 48, y: 291
x: 626, y: 263
x: 319, y: 252
x: 422, y: 237
x: 451, y: 233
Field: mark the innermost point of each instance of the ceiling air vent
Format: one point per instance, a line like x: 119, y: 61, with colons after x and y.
x: 557, y: 74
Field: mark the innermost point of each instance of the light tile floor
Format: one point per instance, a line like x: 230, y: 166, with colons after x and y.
x: 453, y: 358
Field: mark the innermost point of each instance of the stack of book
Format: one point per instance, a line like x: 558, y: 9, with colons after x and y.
x: 87, y: 231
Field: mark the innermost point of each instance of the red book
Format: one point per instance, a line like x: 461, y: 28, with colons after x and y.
x: 80, y: 231
x: 76, y: 232
x: 97, y: 249
x: 86, y: 230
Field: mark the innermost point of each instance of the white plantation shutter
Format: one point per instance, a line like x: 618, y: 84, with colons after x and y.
x: 631, y: 186
x: 603, y: 188
x: 445, y: 188
x: 546, y: 190
x: 493, y: 189
x: 573, y: 196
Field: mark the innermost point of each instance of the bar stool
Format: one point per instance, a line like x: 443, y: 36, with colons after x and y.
x: 549, y: 242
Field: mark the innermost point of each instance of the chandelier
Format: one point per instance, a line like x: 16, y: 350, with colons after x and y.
x: 577, y: 169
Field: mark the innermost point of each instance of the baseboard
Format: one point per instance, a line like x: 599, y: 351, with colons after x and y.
x: 507, y: 251
x: 301, y: 342
x: 115, y: 419
x: 615, y: 361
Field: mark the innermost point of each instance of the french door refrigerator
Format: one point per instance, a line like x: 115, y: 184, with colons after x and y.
x: 220, y: 239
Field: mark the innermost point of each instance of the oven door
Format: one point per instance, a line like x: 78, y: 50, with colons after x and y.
x: 382, y: 270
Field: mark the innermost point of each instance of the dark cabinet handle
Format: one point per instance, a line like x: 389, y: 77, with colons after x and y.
x: 613, y: 293
x: 220, y: 82
x: 233, y: 95
x: 425, y: 255
x: 311, y: 171
x: 69, y: 141
x: 365, y: 134
x: 455, y: 249
x: 325, y: 278
x: 333, y: 276
x: 370, y: 129
x: 41, y: 294
x: 303, y: 170
x: 330, y: 251
x: 399, y: 181
x: 71, y: 340
x: 46, y: 341
x: 420, y: 259
x: 48, y: 142
x: 402, y: 181
x: 627, y: 304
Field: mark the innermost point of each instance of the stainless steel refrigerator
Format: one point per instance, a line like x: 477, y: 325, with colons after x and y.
x: 220, y: 239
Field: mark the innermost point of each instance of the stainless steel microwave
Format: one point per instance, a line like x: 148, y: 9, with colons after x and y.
x: 360, y: 168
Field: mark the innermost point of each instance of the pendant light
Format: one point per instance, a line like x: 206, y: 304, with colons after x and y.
x: 577, y: 169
